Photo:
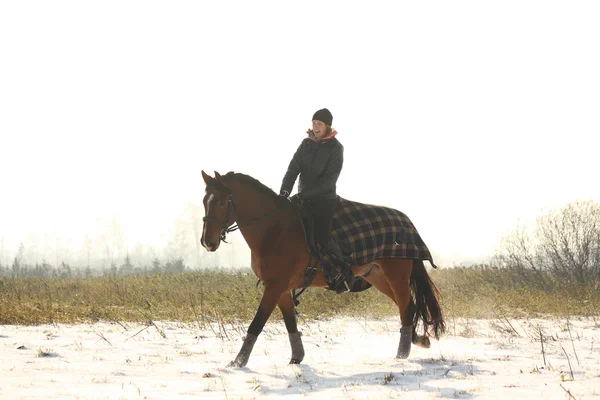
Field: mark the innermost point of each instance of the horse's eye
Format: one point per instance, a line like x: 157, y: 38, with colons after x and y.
x: 221, y: 203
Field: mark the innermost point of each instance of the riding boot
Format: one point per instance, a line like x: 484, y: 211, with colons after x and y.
x: 341, y: 278
x: 332, y: 275
x: 333, y: 248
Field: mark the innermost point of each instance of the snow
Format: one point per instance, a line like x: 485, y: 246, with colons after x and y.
x: 346, y: 358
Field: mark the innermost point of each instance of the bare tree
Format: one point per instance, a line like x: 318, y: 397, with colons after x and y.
x: 564, y: 242
x: 193, y: 215
x: 32, y: 250
x: 1, y: 250
x: 178, y: 247
x: 21, y: 253
x: 117, y: 239
x: 87, y: 249
x: 138, y: 254
x: 569, y: 240
x: 520, y: 252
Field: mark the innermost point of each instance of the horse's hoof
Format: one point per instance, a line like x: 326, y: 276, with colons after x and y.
x: 236, y: 364
x: 422, y: 341
x: 297, y: 348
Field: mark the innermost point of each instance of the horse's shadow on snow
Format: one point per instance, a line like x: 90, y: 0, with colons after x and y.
x: 405, y: 375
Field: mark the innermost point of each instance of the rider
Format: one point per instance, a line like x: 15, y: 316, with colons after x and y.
x: 318, y: 161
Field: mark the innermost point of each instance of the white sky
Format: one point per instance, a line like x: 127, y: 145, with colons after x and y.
x: 467, y: 116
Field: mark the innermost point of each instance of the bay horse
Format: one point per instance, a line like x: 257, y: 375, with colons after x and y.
x: 273, y: 230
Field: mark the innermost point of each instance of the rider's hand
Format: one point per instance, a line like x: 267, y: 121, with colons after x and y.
x: 297, y: 199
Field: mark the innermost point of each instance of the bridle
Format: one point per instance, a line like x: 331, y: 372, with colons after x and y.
x: 226, y: 227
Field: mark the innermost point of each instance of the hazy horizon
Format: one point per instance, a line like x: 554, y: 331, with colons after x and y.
x: 108, y: 244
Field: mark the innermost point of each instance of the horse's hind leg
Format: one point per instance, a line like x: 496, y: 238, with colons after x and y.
x: 267, y: 304
x: 286, y: 306
x: 379, y: 282
x: 397, y: 274
x: 378, y: 279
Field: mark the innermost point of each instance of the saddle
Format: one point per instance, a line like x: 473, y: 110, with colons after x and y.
x: 308, y: 224
x: 334, y: 263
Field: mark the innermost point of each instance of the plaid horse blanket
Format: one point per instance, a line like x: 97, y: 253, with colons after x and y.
x: 373, y: 232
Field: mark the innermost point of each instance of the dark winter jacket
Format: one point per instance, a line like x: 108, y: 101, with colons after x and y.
x: 319, y: 165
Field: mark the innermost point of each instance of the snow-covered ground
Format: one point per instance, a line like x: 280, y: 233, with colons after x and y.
x: 345, y: 358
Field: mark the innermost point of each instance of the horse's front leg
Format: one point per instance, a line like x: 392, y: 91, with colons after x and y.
x: 286, y: 305
x: 267, y: 304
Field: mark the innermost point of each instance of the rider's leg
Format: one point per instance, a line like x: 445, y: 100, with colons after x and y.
x: 339, y: 279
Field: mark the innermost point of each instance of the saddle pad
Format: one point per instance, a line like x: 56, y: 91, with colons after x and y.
x: 374, y: 232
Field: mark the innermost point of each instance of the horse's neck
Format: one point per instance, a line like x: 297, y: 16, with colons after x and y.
x: 250, y: 204
x: 254, y: 213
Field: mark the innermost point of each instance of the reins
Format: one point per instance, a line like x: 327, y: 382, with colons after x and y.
x: 226, y: 228
x: 237, y: 226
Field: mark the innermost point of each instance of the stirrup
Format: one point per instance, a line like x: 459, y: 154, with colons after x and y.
x: 341, y: 282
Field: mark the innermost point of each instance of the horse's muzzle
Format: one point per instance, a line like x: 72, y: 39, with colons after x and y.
x: 209, y: 245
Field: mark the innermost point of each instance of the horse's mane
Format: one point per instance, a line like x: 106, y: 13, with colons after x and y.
x: 256, y: 184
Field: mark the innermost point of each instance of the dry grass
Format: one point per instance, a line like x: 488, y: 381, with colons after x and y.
x: 231, y: 297
x: 202, y: 296
x: 479, y: 292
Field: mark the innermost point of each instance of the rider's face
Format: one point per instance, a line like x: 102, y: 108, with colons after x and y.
x: 320, y: 129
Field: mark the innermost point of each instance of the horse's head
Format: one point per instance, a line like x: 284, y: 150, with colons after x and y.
x: 219, y: 211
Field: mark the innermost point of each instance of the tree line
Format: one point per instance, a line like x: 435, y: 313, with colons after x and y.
x: 562, y: 245
x: 110, y: 251
x: 64, y: 271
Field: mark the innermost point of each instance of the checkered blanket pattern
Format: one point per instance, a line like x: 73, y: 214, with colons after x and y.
x: 373, y: 232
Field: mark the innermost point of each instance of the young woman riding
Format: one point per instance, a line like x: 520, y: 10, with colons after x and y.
x: 318, y: 160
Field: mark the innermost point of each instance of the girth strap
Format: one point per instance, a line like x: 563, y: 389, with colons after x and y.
x: 309, y: 275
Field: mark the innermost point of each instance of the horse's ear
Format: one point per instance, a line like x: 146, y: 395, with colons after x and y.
x: 217, y: 176
x: 207, y: 178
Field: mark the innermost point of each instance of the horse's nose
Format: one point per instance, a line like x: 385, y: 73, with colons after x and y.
x: 210, y: 245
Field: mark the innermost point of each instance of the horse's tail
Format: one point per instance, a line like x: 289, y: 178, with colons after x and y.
x: 425, y: 301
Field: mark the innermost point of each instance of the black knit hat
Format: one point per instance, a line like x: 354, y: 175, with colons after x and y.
x: 324, y: 116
